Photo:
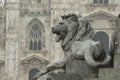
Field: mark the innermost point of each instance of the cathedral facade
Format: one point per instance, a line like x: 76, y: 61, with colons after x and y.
x: 27, y: 44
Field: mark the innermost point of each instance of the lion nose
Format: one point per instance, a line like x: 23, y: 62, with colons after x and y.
x: 52, y: 28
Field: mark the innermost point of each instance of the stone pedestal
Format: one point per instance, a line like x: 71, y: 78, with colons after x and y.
x: 109, y: 73
x: 76, y: 70
x: 81, y: 68
x: 64, y: 76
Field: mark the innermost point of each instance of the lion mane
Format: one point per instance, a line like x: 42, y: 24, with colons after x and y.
x: 77, y: 30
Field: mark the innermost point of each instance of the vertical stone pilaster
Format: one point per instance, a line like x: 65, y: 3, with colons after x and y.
x: 117, y: 46
x: 118, y: 35
x: 12, y: 51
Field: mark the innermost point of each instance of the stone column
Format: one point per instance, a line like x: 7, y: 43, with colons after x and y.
x: 118, y: 35
x: 117, y: 47
x: 12, y: 53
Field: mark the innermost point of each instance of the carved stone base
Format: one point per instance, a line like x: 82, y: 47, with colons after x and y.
x: 75, y: 70
x: 64, y: 76
x: 81, y: 68
x: 109, y: 73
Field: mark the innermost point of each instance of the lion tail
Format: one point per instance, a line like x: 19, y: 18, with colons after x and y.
x: 90, y: 60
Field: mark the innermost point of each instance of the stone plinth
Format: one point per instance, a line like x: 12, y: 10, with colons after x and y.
x: 91, y: 79
x: 63, y: 76
x: 76, y: 70
x: 81, y: 68
x: 109, y: 73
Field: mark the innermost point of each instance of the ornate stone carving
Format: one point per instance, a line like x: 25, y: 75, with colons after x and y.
x: 34, y: 62
x: 28, y: 12
x: 101, y: 15
x: 12, y: 5
x: 34, y: 8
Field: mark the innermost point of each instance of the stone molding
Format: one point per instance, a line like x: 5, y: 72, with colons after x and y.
x: 102, y: 15
x: 91, y: 7
x: 34, y: 57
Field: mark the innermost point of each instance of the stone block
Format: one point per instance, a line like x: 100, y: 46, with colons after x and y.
x: 109, y: 73
x: 91, y: 75
x: 81, y: 68
x: 91, y: 79
x: 63, y: 76
x: 116, y: 61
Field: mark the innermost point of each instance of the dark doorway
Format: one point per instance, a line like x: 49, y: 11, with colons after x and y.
x: 32, y: 73
x: 103, y: 37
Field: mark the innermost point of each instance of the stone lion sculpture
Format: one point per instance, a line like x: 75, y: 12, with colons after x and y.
x: 76, y: 36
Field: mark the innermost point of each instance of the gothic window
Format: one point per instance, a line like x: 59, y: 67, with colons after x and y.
x: 104, y: 38
x: 100, y: 1
x: 32, y: 73
x: 35, y: 38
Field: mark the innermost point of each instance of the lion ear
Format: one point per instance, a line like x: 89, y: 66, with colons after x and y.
x: 63, y: 17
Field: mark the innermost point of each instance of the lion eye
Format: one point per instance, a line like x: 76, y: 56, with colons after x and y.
x: 61, y: 23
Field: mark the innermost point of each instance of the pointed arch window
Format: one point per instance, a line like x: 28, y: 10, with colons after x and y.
x: 35, y: 38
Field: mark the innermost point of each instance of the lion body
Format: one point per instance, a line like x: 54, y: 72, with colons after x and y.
x: 78, y: 48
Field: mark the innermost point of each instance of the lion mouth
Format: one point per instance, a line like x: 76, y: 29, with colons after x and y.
x: 58, y: 36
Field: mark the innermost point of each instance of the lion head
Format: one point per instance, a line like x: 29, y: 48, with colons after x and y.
x: 62, y: 29
x: 66, y: 30
x: 71, y: 29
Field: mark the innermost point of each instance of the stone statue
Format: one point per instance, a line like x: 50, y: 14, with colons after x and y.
x: 76, y: 36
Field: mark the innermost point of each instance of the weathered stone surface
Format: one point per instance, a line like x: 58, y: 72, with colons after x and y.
x: 63, y: 76
x: 82, y: 68
x: 117, y: 61
x: 109, y: 73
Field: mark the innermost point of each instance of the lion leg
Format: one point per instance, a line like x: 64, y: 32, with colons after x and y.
x: 49, y: 68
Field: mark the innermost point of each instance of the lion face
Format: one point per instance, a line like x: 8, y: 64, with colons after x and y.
x: 60, y: 30
x: 66, y: 29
